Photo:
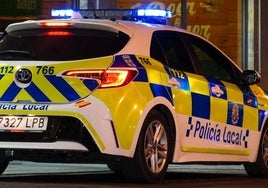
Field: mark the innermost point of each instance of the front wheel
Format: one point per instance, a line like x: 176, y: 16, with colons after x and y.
x: 153, y: 150
x: 260, y: 167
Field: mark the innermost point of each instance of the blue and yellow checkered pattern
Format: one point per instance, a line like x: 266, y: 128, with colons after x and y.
x: 208, y: 98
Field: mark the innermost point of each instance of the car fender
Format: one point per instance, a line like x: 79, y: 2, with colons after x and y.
x: 151, y: 105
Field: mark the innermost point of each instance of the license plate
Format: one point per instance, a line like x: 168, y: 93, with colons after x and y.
x: 23, y: 123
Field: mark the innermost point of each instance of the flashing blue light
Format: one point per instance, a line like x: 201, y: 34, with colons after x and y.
x: 158, y: 16
x: 62, y: 13
x: 154, y: 13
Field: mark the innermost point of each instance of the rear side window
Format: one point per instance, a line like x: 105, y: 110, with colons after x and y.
x: 60, y: 44
x: 168, y: 48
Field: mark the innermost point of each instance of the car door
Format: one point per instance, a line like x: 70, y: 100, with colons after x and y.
x: 169, y: 48
x: 233, y: 107
x: 190, y: 91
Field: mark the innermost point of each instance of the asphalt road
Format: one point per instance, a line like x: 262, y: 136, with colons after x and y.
x: 46, y: 175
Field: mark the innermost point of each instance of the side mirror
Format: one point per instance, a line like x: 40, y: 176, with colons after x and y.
x: 251, y: 77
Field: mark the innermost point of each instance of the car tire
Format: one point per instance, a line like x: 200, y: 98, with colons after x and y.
x: 3, y: 165
x: 260, y: 167
x: 153, y: 151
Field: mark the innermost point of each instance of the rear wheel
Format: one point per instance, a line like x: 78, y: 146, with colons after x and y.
x: 153, y: 150
x: 260, y: 167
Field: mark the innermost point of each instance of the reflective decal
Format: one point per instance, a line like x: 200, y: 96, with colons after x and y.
x: 63, y: 87
x: 128, y: 61
x: 36, y: 93
x: 235, y: 114
x: 34, y: 107
x: 159, y: 90
x: 216, y: 90
x: 8, y: 106
x: 200, y: 105
x: 176, y: 73
x: 206, y: 130
x: 173, y: 82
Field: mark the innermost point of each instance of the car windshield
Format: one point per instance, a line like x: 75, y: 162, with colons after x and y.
x: 60, y: 44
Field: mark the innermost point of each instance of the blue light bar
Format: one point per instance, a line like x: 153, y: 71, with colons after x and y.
x: 63, y: 13
x: 158, y: 16
x: 154, y: 12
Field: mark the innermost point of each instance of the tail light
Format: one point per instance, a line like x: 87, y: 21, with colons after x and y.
x: 58, y: 33
x: 108, y: 78
x: 55, y: 24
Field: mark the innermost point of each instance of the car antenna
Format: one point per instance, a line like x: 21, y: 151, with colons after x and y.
x: 93, y: 8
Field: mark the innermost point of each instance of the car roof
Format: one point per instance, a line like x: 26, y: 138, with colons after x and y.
x: 140, y: 33
x: 109, y: 24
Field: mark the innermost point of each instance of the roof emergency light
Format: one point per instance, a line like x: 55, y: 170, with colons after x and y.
x: 159, y: 16
x: 154, y: 13
x: 65, y: 13
x: 62, y: 12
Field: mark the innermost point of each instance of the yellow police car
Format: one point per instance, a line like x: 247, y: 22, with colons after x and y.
x: 134, y: 96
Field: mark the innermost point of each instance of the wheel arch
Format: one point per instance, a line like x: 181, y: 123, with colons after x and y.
x: 165, y: 107
x: 258, y: 166
x: 264, y: 122
x: 171, y: 123
x: 258, y: 139
x: 264, y: 125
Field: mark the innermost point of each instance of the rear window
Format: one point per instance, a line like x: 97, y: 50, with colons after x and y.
x: 60, y: 44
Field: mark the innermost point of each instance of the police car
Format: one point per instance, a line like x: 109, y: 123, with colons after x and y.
x: 135, y: 96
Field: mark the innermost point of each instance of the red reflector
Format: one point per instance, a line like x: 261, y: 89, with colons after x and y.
x: 17, y: 131
x: 55, y: 24
x: 82, y: 103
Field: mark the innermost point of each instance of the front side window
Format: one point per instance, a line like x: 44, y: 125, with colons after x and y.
x: 211, y: 62
x: 60, y: 44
